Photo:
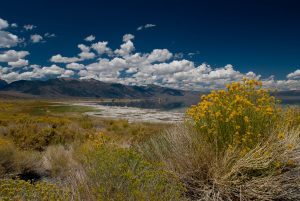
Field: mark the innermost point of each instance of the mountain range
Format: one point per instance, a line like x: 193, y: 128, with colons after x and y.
x: 2, y: 83
x: 91, y: 88
x: 70, y: 88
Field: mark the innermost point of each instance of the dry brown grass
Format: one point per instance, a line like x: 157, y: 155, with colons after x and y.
x: 14, y: 162
x: 268, y: 172
x: 62, y: 166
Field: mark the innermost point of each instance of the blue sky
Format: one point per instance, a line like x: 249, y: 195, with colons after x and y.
x: 182, y: 43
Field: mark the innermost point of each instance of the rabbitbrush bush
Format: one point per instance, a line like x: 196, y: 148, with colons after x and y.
x: 15, y: 189
x: 237, y: 144
x: 241, y: 115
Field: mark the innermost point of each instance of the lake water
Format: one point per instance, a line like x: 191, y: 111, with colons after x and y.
x: 134, y: 114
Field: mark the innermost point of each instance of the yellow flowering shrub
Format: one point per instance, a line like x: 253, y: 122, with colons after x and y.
x: 36, y: 133
x: 291, y: 117
x: 239, y: 116
x: 16, y: 189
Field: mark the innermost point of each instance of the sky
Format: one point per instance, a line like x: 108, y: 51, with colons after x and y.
x: 186, y: 44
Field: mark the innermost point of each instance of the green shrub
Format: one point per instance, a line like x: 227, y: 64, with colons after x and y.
x: 122, y: 174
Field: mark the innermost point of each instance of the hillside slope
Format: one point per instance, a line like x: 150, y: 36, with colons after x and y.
x: 69, y: 88
x: 2, y: 83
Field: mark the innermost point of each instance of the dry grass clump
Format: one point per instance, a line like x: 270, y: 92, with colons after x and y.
x: 217, y: 164
x: 270, y: 171
x: 61, y: 164
x: 14, y: 162
x: 59, y: 161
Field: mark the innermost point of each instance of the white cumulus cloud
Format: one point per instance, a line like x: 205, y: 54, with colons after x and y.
x: 75, y: 66
x: 36, y: 38
x: 86, y: 55
x: 124, y: 65
x: 60, y: 59
x: 90, y: 38
x: 294, y: 75
x: 128, y: 37
x: 125, y: 49
x: 101, y: 47
x: 12, y: 55
x: 159, y: 55
x: 85, y: 52
x: 8, y: 40
x: 67, y: 73
x: 19, y: 63
x: 3, y: 24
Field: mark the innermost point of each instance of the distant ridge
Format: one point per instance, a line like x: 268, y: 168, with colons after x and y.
x: 291, y: 97
x: 2, y: 83
x: 91, y: 88
x: 69, y: 87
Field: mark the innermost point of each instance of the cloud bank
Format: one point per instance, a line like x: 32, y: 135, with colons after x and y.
x: 124, y: 64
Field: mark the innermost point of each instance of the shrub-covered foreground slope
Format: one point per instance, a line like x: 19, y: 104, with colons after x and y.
x: 236, y: 144
x: 52, y: 152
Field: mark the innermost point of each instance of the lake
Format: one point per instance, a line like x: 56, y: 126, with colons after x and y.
x: 134, y: 114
